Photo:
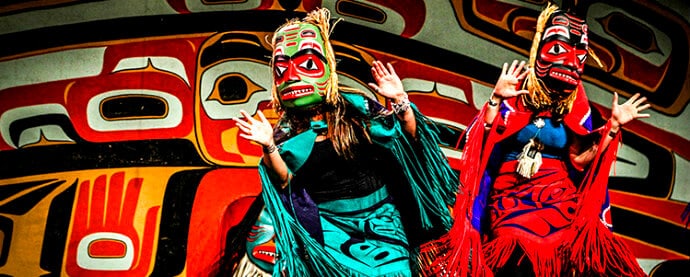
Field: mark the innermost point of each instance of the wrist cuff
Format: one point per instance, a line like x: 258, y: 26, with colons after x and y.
x: 402, y: 107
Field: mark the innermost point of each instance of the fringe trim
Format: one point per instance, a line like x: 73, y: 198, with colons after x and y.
x: 593, y: 239
x: 434, y: 183
x: 457, y: 253
x: 294, y: 245
x: 546, y: 261
x: 498, y: 252
x: 590, y: 237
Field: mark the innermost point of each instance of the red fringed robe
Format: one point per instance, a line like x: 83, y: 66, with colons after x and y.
x: 585, y: 247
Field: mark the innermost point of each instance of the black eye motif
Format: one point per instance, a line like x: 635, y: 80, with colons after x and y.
x: 556, y: 50
x: 234, y: 88
x: 280, y: 70
x: 309, y: 65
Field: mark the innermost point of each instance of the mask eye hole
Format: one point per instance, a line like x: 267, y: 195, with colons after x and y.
x: 557, y: 49
x: 309, y: 64
x: 280, y: 70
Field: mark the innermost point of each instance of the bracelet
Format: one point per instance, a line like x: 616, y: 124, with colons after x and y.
x: 491, y: 101
x: 401, y: 107
x: 612, y: 134
x: 270, y: 149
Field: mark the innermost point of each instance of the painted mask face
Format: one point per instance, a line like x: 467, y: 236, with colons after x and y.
x: 300, y: 68
x: 562, y: 52
x: 261, y: 247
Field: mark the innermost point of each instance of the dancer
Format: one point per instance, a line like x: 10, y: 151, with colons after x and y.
x: 338, y: 164
x: 535, y: 200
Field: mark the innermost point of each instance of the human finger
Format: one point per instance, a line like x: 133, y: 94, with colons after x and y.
x: 375, y: 73
x: 240, y: 122
x: 244, y: 129
x: 247, y: 116
x: 378, y: 66
x: 512, y: 66
x: 522, y: 91
x: 505, y: 69
x: 519, y: 67
x: 615, y: 98
x: 633, y: 98
x: 523, y: 74
x: 640, y: 101
x: 262, y: 117
x: 375, y: 87
x: 391, y: 70
x: 643, y: 107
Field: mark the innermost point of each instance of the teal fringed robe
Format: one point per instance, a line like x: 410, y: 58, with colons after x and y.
x: 431, y: 181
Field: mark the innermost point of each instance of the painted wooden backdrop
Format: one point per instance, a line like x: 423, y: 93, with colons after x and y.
x: 118, y: 155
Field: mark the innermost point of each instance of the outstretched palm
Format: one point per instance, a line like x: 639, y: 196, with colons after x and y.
x: 505, y: 86
x: 628, y: 111
x: 259, y: 131
x: 388, y: 83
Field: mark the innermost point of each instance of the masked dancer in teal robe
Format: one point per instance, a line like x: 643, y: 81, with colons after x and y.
x: 351, y: 186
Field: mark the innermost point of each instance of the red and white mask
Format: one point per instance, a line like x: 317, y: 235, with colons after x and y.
x: 562, y: 52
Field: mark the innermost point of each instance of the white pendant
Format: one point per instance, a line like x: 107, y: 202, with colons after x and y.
x: 529, y: 160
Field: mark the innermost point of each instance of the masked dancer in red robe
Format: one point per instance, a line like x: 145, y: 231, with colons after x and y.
x: 534, y: 198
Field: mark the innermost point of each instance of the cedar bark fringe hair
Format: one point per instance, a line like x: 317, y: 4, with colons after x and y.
x: 539, y: 97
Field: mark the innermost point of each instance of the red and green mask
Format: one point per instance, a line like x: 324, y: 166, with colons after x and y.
x: 562, y: 52
x: 300, y: 69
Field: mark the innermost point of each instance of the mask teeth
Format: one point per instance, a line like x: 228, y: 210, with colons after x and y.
x: 267, y: 253
x: 297, y: 92
x: 564, y: 76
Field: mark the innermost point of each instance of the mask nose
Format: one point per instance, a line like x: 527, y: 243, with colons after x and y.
x: 292, y: 74
x: 572, y: 60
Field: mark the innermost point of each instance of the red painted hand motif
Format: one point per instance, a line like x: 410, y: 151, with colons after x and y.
x: 104, y: 241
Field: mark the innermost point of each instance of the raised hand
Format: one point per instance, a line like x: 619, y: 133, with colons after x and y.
x: 388, y: 83
x: 259, y: 131
x: 510, y: 76
x: 628, y: 111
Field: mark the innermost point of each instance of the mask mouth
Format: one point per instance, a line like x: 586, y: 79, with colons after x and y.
x: 265, y: 253
x: 296, y: 92
x: 565, y: 76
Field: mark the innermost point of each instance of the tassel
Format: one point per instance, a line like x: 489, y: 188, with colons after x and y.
x: 529, y: 160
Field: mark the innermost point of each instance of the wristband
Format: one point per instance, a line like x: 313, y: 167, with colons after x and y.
x: 612, y: 134
x: 492, y: 102
x: 402, y: 107
x: 270, y: 149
